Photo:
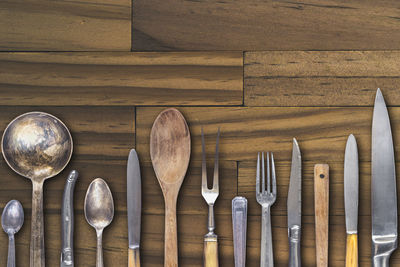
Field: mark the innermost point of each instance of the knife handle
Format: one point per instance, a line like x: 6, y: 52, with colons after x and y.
x: 239, y: 221
x: 133, y: 257
x: 294, y: 246
x: 351, y: 251
x: 210, y: 251
x: 321, y: 202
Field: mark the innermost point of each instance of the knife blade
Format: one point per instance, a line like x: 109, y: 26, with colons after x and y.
x: 351, y: 200
x: 383, y: 186
x: 134, y: 208
x: 294, y: 207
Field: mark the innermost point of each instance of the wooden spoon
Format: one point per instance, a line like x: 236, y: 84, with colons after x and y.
x: 170, y: 154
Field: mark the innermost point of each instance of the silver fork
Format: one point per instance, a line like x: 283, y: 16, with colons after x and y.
x: 266, y: 198
x: 210, y: 195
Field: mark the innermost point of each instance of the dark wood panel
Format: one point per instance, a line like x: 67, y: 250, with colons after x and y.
x: 338, y: 78
x: 121, y: 79
x: 31, y: 25
x: 265, y: 25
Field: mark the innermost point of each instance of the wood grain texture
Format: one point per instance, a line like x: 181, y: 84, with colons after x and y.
x: 30, y: 25
x: 266, y: 25
x: 320, y: 78
x: 121, y: 79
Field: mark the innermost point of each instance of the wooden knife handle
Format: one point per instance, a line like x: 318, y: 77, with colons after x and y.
x: 133, y: 257
x: 352, y: 251
x: 210, y: 251
x: 321, y: 202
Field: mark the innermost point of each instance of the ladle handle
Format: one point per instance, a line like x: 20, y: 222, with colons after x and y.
x: 37, y: 233
x: 171, y: 240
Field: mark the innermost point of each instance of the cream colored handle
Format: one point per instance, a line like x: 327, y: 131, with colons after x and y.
x: 321, y: 202
x: 133, y: 257
x: 352, y: 251
x: 210, y: 251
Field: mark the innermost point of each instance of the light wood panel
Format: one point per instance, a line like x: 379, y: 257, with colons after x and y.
x: 42, y: 25
x: 321, y: 78
x: 121, y: 79
x: 265, y: 25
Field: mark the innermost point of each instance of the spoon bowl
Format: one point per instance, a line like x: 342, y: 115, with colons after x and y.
x: 38, y: 146
x: 12, y: 220
x: 99, y: 211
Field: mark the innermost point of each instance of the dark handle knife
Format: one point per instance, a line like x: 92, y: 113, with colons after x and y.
x: 67, y: 222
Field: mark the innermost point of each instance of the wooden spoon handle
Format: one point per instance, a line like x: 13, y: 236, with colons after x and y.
x: 37, y: 232
x: 321, y: 201
x: 171, y: 236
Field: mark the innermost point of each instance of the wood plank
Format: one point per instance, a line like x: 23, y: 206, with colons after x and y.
x: 30, y: 25
x: 267, y: 25
x: 321, y: 131
x: 121, y: 79
x: 320, y: 78
x: 337, y: 226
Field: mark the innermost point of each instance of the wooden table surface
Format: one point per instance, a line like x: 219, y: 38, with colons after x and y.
x: 264, y: 72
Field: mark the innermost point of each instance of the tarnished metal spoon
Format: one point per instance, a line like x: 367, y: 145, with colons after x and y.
x: 99, y: 211
x: 38, y: 146
x: 12, y: 220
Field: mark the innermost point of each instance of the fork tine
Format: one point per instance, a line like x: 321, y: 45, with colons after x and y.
x: 203, y: 164
x: 263, y: 174
x: 273, y: 174
x: 258, y: 174
x: 216, y: 163
x: 268, y: 175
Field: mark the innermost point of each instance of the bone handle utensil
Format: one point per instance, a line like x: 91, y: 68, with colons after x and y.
x: 67, y: 221
x: 351, y: 251
x: 239, y: 220
x: 321, y: 202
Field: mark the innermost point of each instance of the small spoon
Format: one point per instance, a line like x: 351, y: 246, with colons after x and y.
x: 99, y: 211
x: 170, y: 154
x: 12, y: 220
x: 38, y: 146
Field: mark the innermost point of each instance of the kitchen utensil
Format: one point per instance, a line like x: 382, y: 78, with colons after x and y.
x: 38, y: 146
x: 67, y: 221
x: 99, y: 211
x: 294, y: 208
x: 239, y: 220
x: 134, y: 202
x: 170, y: 154
x: 12, y: 220
x: 351, y: 200
x: 383, y: 186
x: 266, y: 198
x: 210, y: 256
x: 321, y: 203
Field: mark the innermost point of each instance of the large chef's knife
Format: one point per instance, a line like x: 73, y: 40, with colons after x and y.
x: 351, y: 200
x: 134, y: 202
x: 294, y: 208
x: 383, y: 186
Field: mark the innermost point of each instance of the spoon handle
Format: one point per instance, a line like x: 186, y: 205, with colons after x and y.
x: 171, y: 241
x: 37, y: 233
x: 99, y: 261
x: 11, y: 251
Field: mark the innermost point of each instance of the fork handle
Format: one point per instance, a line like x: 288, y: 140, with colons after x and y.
x: 267, y: 256
x: 211, y: 250
x: 321, y: 202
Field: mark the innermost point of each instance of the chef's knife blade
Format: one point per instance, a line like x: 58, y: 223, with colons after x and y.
x: 383, y: 186
x: 134, y: 203
x: 294, y: 207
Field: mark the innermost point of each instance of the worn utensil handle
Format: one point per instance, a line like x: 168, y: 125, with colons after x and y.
x: 294, y: 246
x: 11, y: 251
x: 99, y: 255
x: 37, y: 258
x: 239, y: 221
x: 352, y: 251
x: 267, y: 256
x: 321, y: 202
x: 171, y: 236
x: 67, y: 220
x: 133, y: 257
x: 210, y: 256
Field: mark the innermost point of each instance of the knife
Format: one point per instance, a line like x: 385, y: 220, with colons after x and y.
x: 134, y: 207
x: 383, y: 186
x: 294, y: 208
x: 239, y: 222
x: 67, y: 221
x: 351, y: 200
